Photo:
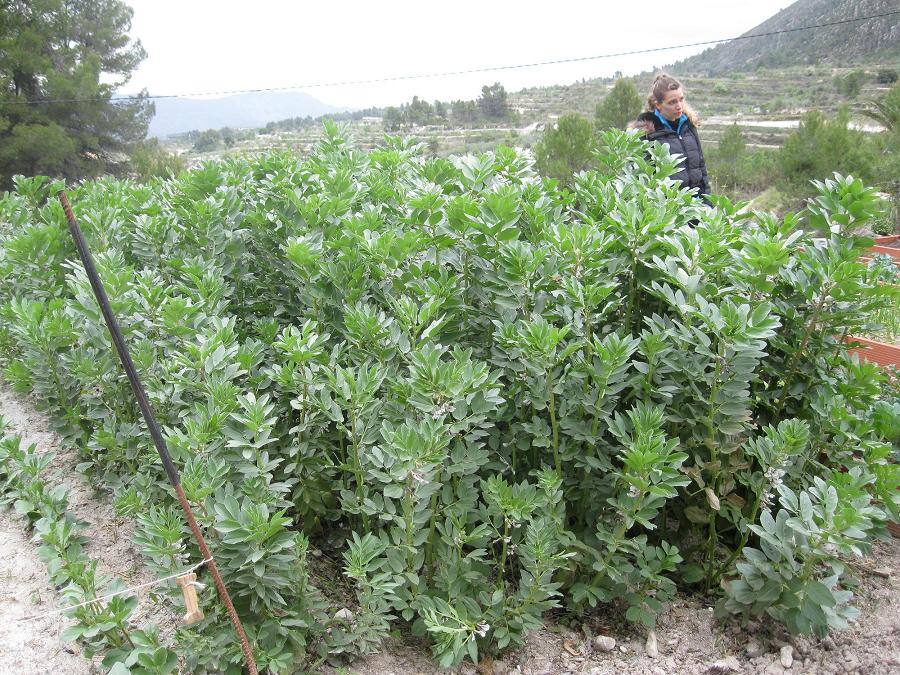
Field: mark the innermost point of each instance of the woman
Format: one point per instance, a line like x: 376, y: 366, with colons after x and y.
x: 668, y: 120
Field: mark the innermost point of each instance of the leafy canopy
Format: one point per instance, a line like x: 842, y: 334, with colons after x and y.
x: 60, y: 63
x: 621, y: 105
x: 566, y: 148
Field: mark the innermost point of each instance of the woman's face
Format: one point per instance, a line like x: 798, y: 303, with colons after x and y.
x: 672, y: 104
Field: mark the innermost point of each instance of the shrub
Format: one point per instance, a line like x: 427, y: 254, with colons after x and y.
x: 886, y: 76
x: 485, y: 395
x: 821, y: 146
x: 150, y: 160
x: 565, y: 148
x: 620, y: 106
x: 850, y: 85
x: 208, y: 140
x: 725, y: 162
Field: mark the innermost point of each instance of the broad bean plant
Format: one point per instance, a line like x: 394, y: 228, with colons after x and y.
x: 480, y: 394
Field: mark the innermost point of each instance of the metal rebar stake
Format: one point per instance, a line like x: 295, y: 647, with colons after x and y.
x: 144, y: 404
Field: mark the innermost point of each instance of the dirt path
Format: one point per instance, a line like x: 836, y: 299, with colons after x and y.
x: 749, y: 122
x: 35, y: 646
x: 24, y: 586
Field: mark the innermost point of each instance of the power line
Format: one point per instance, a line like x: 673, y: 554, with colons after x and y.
x: 451, y: 73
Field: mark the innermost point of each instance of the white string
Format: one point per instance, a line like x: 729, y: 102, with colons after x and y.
x: 112, y: 595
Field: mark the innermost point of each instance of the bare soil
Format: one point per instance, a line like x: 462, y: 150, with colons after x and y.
x: 690, y: 640
x: 25, y: 589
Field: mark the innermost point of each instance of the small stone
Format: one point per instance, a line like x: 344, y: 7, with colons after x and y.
x: 787, y: 656
x: 829, y: 644
x: 343, y: 615
x: 774, y: 669
x: 754, y: 649
x: 540, y: 665
x: 658, y: 671
x: 604, y: 643
x: 650, y: 647
x: 883, y: 572
x: 502, y: 668
x: 729, y: 664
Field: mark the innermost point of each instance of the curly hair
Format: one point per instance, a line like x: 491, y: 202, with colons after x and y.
x: 662, y: 84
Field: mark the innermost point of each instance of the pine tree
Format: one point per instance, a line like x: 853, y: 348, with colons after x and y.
x: 566, y: 148
x: 621, y: 105
x: 60, y: 62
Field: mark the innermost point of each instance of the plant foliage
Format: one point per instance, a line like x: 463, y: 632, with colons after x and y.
x: 488, y: 396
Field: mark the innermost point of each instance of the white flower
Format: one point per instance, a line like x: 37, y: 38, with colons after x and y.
x: 482, y: 629
x: 774, y: 477
x: 443, y: 409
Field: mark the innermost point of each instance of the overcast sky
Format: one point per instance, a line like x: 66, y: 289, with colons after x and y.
x: 196, y: 46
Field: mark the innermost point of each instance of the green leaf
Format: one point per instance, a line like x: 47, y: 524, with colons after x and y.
x: 696, y: 515
x: 472, y: 648
x: 393, y: 491
x: 820, y: 594
x: 637, y: 614
x: 692, y: 573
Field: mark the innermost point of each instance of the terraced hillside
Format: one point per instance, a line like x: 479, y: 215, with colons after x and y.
x: 771, y: 80
x: 766, y: 103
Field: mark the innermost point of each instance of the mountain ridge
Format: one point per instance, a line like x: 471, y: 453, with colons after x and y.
x: 256, y: 109
x: 837, y: 44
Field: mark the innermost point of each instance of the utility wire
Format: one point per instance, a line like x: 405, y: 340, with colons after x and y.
x: 450, y: 73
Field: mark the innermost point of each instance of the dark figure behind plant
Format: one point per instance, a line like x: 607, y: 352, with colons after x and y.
x: 668, y: 120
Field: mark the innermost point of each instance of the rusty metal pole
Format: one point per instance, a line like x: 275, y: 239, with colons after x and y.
x: 152, y: 426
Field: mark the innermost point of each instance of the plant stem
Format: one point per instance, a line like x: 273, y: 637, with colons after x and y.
x: 598, y: 405
x: 712, y: 536
x: 740, y: 547
x: 632, y: 291
x: 409, y: 518
x: 357, y: 468
x: 429, y: 545
x: 501, y: 580
x: 554, y: 426
x: 127, y: 636
x: 795, y: 357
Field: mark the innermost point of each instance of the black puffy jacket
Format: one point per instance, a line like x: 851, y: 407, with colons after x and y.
x: 692, y: 172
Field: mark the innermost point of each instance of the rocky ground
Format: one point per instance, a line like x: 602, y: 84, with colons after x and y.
x: 25, y: 590
x: 691, y: 642
x: 689, y: 639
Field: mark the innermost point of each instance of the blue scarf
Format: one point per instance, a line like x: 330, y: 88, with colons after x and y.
x: 674, y: 126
